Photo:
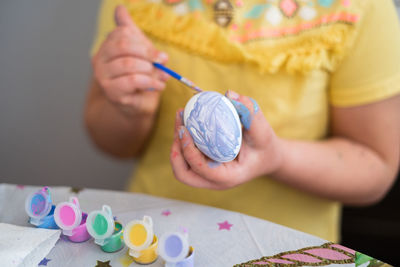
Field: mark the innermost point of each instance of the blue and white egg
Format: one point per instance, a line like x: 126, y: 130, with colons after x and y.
x: 214, y: 125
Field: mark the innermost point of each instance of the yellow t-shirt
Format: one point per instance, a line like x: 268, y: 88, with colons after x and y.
x: 296, y: 58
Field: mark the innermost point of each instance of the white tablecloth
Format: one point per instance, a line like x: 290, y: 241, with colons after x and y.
x: 247, y: 239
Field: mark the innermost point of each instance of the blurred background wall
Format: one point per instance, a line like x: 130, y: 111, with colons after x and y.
x: 44, y: 75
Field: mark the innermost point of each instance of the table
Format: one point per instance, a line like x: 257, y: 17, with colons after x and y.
x: 219, y: 237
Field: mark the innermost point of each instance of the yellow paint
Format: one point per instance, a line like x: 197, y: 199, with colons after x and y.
x: 149, y: 254
x: 126, y: 260
x: 138, y: 235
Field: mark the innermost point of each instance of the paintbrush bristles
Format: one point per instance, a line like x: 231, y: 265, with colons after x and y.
x: 190, y: 84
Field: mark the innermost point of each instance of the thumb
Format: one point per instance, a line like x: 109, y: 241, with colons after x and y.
x: 257, y: 129
x: 122, y: 17
x: 245, y: 106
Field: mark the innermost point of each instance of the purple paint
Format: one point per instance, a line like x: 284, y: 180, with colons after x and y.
x: 67, y: 215
x: 38, y: 204
x: 181, y: 132
x: 173, y: 246
x: 213, y: 164
x: 212, y: 123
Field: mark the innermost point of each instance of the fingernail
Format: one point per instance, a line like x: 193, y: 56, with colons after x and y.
x: 161, y: 57
x: 150, y: 89
x: 255, y: 105
x: 181, y: 114
x: 244, y: 114
x: 181, y: 132
x: 232, y: 95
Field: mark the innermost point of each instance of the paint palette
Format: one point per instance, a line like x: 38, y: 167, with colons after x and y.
x: 100, y: 225
x: 138, y: 235
x: 174, y: 246
x: 38, y: 205
x: 214, y: 125
x: 68, y: 215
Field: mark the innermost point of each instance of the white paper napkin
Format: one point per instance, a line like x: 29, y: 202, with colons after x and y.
x: 25, y: 246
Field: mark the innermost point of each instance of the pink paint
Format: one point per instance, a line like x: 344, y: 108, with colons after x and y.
x: 301, y: 257
x: 349, y: 250
x: 328, y: 254
x: 67, y: 215
x: 80, y: 233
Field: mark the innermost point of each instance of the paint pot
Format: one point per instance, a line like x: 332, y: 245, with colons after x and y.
x: 72, y: 220
x: 214, y: 125
x: 115, y: 242
x: 140, y: 238
x: 175, y: 250
x: 40, y: 209
x: 107, y: 233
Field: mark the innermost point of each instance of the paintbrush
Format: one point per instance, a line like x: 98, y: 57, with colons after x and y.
x: 183, y: 80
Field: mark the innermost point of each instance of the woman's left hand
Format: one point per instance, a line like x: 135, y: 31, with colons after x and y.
x: 260, y: 153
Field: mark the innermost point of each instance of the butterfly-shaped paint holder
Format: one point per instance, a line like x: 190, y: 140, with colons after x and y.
x: 40, y: 209
x: 175, y: 250
x: 106, y: 232
x: 72, y: 220
x: 141, y: 240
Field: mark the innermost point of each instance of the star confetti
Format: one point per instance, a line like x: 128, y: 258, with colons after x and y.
x: 44, y: 262
x: 166, y: 213
x: 225, y: 225
x: 103, y: 264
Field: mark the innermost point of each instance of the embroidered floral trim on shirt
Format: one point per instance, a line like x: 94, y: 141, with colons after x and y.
x: 295, y: 45
x: 286, y: 31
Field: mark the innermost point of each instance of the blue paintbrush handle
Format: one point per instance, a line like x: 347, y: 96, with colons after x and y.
x: 177, y: 76
x: 169, y: 71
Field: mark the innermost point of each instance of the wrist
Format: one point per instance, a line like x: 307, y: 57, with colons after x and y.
x: 276, y: 163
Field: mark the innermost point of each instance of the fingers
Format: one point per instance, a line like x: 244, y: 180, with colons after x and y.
x: 128, y: 84
x: 178, y: 121
x: 193, y: 156
x: 125, y: 66
x: 184, y: 173
x: 123, y: 44
x: 245, y: 106
x: 199, y: 163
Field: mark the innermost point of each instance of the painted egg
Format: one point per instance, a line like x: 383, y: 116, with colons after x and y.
x: 214, y: 125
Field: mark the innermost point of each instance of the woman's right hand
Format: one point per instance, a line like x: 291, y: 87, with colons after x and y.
x: 123, y: 68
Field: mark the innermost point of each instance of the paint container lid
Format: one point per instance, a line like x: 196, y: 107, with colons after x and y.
x: 138, y: 234
x: 38, y: 205
x: 68, y: 215
x: 174, y: 246
x: 100, y: 224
